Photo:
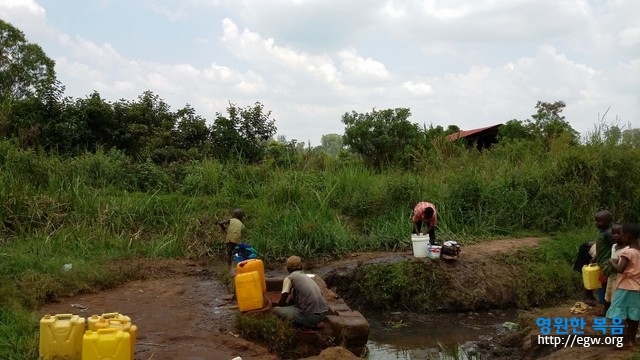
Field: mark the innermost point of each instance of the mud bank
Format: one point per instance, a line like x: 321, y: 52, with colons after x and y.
x: 497, y: 274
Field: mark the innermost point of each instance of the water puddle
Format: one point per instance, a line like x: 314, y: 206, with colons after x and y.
x: 407, y: 336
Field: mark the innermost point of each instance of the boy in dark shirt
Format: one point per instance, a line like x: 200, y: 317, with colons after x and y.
x: 603, y: 220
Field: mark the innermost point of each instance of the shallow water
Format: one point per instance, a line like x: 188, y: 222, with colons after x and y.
x: 407, y: 336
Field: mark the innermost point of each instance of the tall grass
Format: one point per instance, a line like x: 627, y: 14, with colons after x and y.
x: 511, y: 188
x: 18, y: 335
x: 548, y: 270
x: 514, y: 188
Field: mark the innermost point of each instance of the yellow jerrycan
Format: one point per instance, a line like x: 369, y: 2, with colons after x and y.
x: 106, y: 344
x: 94, y: 321
x: 249, y: 291
x: 590, y: 274
x: 116, y: 321
x: 253, y: 265
x: 61, y: 336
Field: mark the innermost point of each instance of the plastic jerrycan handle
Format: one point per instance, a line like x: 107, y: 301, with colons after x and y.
x: 106, y: 330
x: 110, y: 315
x: 120, y: 322
x: 63, y: 316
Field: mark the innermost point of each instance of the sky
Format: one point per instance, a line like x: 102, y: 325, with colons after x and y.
x: 471, y: 63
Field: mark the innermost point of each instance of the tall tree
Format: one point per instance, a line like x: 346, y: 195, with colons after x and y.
x: 631, y: 137
x: 545, y: 126
x: 382, y: 137
x: 25, y: 70
x: 244, y: 133
x: 432, y: 132
x: 548, y: 123
x: 79, y: 125
x: 191, y: 131
x: 29, y: 90
x: 144, y: 127
x: 514, y: 130
x: 99, y: 120
x: 331, y: 144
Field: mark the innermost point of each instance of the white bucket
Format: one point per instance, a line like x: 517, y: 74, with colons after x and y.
x: 433, y: 251
x: 420, y: 245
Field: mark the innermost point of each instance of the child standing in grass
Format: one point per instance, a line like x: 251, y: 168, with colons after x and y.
x: 233, y: 227
x: 626, y: 299
x: 616, y: 249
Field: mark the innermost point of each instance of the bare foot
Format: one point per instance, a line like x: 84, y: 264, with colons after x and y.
x: 590, y: 302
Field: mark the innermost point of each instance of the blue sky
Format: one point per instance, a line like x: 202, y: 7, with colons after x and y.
x: 469, y: 63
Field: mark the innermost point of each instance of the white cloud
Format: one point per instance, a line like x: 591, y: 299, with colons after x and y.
x: 419, y: 88
x: 104, y: 54
x: 26, y: 15
x: 470, y: 63
x: 172, y: 13
x: 358, y: 67
x: 21, y: 5
x: 392, y: 10
x: 254, y: 49
x: 630, y: 36
x: 443, y: 12
x: 279, y: 62
x: 484, y: 96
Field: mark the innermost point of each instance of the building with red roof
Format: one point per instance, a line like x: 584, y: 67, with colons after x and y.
x: 481, y: 138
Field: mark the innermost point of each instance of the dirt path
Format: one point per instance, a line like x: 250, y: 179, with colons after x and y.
x: 473, y: 252
x: 183, y: 312
x: 490, y: 248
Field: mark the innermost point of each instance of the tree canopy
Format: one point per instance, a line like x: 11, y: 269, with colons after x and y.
x: 545, y: 126
x: 332, y: 144
x: 244, y: 133
x: 25, y: 70
x: 381, y: 137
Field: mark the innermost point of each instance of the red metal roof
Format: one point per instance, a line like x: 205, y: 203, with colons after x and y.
x: 465, y: 133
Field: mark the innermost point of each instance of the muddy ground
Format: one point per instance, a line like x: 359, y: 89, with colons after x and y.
x: 183, y: 311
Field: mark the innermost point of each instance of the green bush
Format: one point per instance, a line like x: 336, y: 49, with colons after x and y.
x: 278, y: 334
x: 407, y: 285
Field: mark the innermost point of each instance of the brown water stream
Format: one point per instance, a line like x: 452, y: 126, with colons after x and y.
x: 407, y: 336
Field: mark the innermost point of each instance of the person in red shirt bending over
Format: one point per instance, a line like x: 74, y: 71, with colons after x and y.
x: 425, y: 213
